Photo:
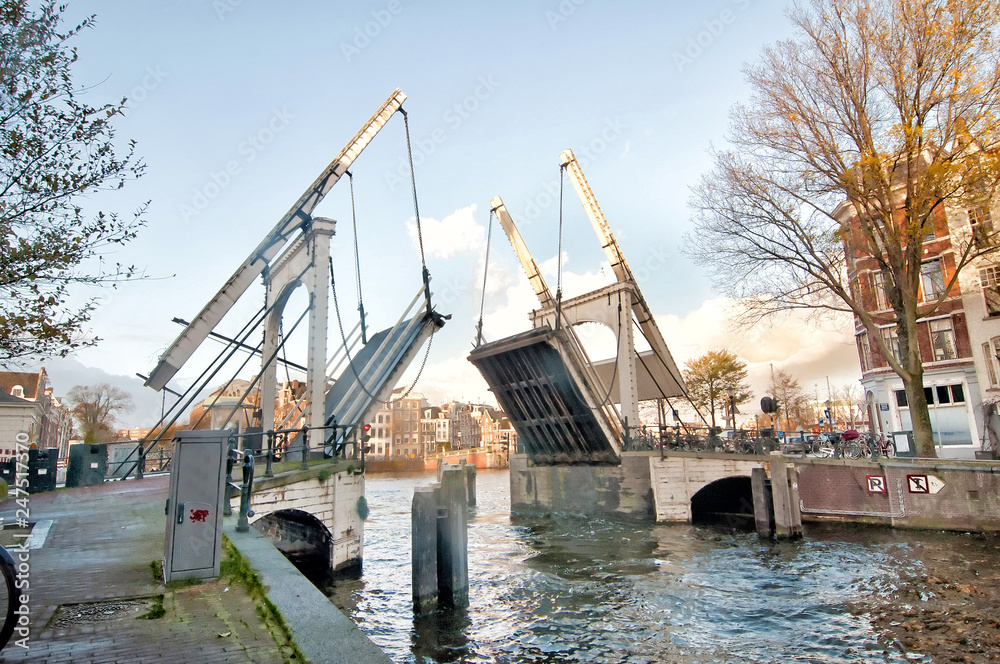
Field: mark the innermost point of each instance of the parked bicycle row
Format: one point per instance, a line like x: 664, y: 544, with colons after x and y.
x: 850, y: 444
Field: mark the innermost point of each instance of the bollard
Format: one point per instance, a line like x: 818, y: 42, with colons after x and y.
x: 453, y: 545
x: 268, y: 472
x: 305, y: 449
x: 424, y: 524
x: 243, y: 522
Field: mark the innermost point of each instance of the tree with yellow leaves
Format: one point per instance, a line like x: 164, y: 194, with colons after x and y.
x: 864, y: 132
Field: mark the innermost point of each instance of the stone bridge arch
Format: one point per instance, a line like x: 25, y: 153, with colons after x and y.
x: 321, y: 506
x: 677, y: 480
x: 299, y: 535
x: 727, y: 500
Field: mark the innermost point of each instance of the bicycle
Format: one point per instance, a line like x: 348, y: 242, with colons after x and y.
x: 881, y: 447
x: 873, y: 447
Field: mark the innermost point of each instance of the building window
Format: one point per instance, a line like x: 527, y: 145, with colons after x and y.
x: 929, y: 233
x: 17, y: 391
x: 878, y: 288
x: 981, y: 224
x: 944, y: 395
x: 866, y: 352
x: 932, y: 279
x: 891, y: 339
x: 942, y: 339
x: 995, y: 341
x: 989, y: 280
x: 990, y: 359
x: 939, y: 395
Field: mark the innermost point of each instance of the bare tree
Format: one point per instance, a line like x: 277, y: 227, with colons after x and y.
x: 786, y: 390
x: 851, y: 398
x: 95, y: 407
x: 862, y: 131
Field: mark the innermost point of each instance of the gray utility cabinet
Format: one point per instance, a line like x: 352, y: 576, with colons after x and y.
x: 193, y: 545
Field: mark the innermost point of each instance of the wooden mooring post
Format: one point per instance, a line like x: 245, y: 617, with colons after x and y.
x: 440, y: 545
x: 423, y: 558
x: 776, y: 500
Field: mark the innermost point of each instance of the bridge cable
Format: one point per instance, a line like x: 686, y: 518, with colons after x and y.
x: 343, y: 337
x: 559, y: 271
x: 357, y: 260
x: 642, y: 361
x: 486, y: 269
x: 347, y: 350
x: 425, y: 273
x: 284, y: 351
x: 199, y: 384
x: 416, y: 211
x: 257, y: 378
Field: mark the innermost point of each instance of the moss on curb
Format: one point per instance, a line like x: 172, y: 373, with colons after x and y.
x: 155, y: 611
x: 235, y: 567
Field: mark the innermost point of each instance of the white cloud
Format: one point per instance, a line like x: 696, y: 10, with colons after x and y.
x: 454, y: 378
x: 809, y: 351
x: 455, y: 234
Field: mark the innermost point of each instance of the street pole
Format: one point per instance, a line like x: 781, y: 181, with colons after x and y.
x: 829, y: 396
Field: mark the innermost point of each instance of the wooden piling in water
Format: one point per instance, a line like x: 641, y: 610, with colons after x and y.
x: 470, y: 483
x: 787, y: 517
x: 763, y: 505
x: 795, y: 515
x: 453, y: 543
x: 424, y: 553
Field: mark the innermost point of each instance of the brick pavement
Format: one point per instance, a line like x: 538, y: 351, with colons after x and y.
x: 96, y: 558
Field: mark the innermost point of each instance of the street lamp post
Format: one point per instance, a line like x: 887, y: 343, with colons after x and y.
x: 731, y: 406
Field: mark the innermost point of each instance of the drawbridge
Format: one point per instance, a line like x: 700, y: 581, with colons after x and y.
x: 343, y: 388
x: 565, y: 407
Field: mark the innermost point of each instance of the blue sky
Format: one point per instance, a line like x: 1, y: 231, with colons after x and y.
x: 236, y: 106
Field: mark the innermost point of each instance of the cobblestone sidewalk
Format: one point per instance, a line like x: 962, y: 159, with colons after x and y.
x: 91, y: 580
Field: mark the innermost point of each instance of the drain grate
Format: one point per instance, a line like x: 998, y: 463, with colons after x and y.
x: 84, y: 614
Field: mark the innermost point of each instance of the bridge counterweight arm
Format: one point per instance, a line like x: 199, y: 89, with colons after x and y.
x: 521, y: 249
x: 195, y: 333
x: 644, y: 317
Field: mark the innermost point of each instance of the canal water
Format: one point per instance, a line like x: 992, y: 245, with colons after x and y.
x: 573, y: 589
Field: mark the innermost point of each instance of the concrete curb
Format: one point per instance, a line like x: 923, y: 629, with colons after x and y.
x: 321, y: 632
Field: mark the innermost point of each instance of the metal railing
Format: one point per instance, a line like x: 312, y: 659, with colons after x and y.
x: 330, y: 449
x: 698, y: 439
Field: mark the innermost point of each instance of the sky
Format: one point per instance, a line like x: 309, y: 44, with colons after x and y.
x: 237, y: 105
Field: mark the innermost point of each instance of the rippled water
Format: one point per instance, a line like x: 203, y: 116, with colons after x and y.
x: 573, y: 589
